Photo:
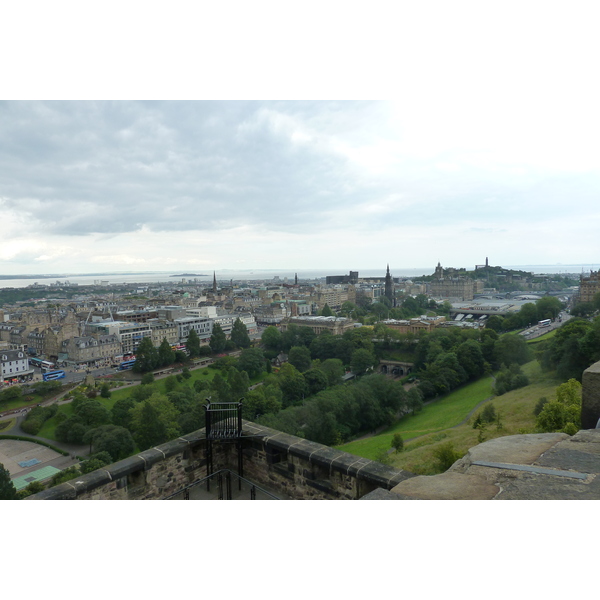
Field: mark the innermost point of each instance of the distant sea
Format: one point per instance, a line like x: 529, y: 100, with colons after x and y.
x: 263, y: 274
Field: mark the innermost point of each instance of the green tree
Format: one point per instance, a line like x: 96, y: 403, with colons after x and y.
x: 445, y: 456
x: 470, y: 357
x: 239, y: 334
x: 120, y: 414
x: 362, y: 360
x: 292, y: 384
x: 35, y: 487
x: 397, y: 442
x: 572, y: 349
x: 114, y: 440
x: 564, y: 413
x: 105, y: 391
x: 7, y: 488
x: 92, y: 414
x: 548, y: 307
x: 265, y: 399
x: 326, y: 311
x: 142, y: 392
x: 511, y: 348
x: 271, y: 339
x: 239, y: 383
x: 220, y: 389
x: 299, y: 356
x: 166, y: 356
x: 154, y: 421
x: 192, y: 344
x: 414, y: 398
x: 495, y: 323
x: 333, y: 369
x: 217, y: 339
x: 146, y: 356
x: 488, y: 414
x: 170, y: 383
x: 147, y: 378
x: 251, y: 360
x: 316, y: 380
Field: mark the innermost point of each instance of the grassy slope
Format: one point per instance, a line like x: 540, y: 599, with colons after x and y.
x: 516, y: 415
x: 439, y: 415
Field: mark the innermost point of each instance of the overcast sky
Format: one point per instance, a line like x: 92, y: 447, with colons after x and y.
x: 490, y: 148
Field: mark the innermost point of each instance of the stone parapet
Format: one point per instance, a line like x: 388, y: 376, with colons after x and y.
x: 297, y: 467
x: 590, y: 404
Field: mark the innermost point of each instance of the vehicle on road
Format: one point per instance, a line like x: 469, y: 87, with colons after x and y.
x: 52, y: 375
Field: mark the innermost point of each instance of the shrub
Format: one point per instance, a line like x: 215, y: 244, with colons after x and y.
x: 445, y: 456
x: 397, y: 442
x: 32, y: 426
x: 540, y: 405
x: 33, y: 488
x: 147, y: 378
x: 383, y: 457
x: 488, y: 414
x: 65, y: 475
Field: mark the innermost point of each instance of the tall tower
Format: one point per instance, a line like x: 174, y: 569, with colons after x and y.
x: 214, y: 282
x: 296, y: 279
x: 389, y: 288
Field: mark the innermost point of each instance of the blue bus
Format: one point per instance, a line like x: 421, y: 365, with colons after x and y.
x: 126, y: 365
x: 52, y: 375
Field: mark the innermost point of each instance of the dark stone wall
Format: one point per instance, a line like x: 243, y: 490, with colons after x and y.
x: 293, y: 466
x: 590, y: 407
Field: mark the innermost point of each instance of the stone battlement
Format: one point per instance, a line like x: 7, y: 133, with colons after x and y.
x: 296, y: 467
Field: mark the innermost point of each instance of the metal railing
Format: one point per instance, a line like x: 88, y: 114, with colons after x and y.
x: 202, y: 490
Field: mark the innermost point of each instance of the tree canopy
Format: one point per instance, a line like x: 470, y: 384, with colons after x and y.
x: 7, y: 487
x: 218, y: 340
x: 239, y: 334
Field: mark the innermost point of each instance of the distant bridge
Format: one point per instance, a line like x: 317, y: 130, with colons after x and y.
x: 394, y: 367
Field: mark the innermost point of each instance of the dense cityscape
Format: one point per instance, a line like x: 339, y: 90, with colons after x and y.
x: 282, y: 344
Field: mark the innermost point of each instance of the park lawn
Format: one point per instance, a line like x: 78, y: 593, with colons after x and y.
x: 515, y: 409
x: 441, y: 414
x: 7, y: 425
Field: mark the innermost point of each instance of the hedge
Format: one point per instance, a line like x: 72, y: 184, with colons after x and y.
x: 35, y: 441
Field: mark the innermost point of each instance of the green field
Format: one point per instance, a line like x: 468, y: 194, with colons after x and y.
x: 515, y: 409
x: 437, y: 416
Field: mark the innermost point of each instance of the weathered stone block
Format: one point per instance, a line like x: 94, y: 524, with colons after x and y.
x: 590, y: 405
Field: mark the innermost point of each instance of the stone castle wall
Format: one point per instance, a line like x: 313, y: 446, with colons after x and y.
x: 294, y: 466
x: 590, y: 405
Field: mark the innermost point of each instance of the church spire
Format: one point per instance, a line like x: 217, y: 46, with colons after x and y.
x: 214, y: 282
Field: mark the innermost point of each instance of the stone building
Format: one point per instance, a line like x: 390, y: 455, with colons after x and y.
x: 162, y: 330
x: 589, y: 286
x: 14, y: 366
x: 87, y: 349
x: 335, y: 325
x: 447, y: 284
x: 416, y: 325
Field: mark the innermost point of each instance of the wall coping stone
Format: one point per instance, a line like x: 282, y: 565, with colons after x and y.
x: 338, y: 460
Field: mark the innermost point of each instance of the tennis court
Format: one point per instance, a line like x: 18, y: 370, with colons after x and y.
x: 39, y: 475
x: 20, y: 457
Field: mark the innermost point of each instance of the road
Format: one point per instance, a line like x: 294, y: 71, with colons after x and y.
x: 535, y: 331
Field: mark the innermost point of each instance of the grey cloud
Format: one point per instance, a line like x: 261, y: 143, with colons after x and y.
x: 113, y: 167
